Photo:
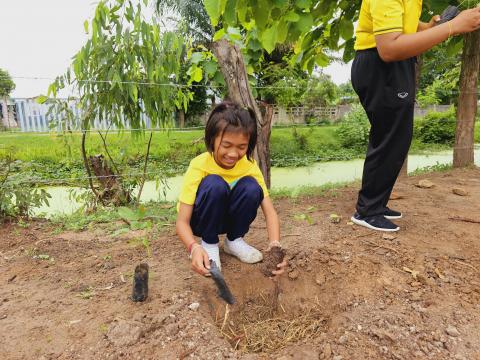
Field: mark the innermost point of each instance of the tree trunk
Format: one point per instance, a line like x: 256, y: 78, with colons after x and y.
x: 111, y: 188
x: 181, y: 118
x: 463, y: 152
x: 231, y: 63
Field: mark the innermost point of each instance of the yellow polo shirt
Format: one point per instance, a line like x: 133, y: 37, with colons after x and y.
x: 204, y: 164
x: 379, y: 17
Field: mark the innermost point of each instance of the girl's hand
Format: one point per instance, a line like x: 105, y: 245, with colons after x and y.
x: 200, y: 262
x: 433, y: 21
x: 467, y: 21
x: 282, y: 266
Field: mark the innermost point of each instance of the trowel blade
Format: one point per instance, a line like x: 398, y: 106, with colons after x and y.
x: 223, y: 290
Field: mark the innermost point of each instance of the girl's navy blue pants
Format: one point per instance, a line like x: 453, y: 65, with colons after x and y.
x: 221, y: 210
x: 387, y: 93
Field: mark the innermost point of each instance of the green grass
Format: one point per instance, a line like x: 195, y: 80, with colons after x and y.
x: 53, y: 157
x: 160, y: 214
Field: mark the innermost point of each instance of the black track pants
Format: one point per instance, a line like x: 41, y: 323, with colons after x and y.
x: 387, y: 93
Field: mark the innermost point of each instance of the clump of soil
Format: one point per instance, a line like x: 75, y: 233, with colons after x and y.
x: 271, y: 259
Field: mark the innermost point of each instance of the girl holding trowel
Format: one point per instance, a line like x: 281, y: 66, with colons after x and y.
x: 222, y: 191
x: 389, y: 36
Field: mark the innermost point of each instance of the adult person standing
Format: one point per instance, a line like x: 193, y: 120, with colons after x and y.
x: 389, y: 37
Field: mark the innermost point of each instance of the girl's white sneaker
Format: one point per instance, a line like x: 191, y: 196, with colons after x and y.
x: 244, y: 252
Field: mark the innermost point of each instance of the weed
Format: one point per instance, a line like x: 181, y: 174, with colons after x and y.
x: 87, y: 294
x: 103, y: 328
x: 432, y: 168
x: 305, y: 217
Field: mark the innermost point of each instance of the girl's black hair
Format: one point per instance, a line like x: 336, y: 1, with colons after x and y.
x: 229, y: 116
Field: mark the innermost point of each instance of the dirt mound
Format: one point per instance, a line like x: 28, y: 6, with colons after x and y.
x: 350, y: 293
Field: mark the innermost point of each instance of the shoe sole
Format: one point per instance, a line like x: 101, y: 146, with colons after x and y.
x: 246, y: 262
x: 393, y: 217
x: 367, y: 225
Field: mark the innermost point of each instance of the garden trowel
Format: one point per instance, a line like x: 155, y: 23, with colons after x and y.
x: 223, y: 290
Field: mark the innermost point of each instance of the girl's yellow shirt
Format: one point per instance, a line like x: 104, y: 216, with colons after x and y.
x: 204, y: 165
x: 379, y: 17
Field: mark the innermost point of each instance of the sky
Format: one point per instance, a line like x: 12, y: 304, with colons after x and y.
x: 39, y: 39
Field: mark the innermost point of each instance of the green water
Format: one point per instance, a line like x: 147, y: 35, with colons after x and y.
x: 285, y: 178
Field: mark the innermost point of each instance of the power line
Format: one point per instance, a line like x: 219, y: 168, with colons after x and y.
x: 184, y: 86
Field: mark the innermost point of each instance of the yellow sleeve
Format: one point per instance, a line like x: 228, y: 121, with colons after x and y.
x: 257, y: 175
x: 191, y: 181
x: 387, y: 16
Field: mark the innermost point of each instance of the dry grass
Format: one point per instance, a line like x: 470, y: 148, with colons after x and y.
x: 256, y: 327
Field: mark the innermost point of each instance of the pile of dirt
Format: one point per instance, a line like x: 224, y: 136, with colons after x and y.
x: 349, y: 293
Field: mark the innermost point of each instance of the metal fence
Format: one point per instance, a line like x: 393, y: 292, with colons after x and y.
x: 34, y: 117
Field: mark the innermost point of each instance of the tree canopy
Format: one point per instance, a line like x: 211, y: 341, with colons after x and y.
x: 128, y: 67
x: 6, y: 83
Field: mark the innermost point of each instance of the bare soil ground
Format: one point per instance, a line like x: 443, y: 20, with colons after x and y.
x: 350, y: 293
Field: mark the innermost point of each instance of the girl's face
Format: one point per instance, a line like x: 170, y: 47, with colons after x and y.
x: 230, y: 148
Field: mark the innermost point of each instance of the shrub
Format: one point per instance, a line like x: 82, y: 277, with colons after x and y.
x: 354, y: 129
x: 17, y: 199
x: 300, y: 138
x: 436, y: 127
x: 311, y: 119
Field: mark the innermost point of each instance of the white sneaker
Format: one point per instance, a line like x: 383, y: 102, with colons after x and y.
x: 240, y: 249
x: 213, y: 252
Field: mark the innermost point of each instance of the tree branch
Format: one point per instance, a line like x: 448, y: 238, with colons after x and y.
x: 87, y: 167
x: 144, y: 168
x: 104, y: 139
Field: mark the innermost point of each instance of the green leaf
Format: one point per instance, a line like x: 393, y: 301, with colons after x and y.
x: 234, y: 33
x: 134, y: 92
x: 269, y: 39
x: 292, y: 16
x: 197, y: 75
x: 303, y: 4
x: 210, y: 68
x: 196, y: 57
x: 242, y: 8
x: 454, y: 45
x: 280, y: 3
x: 230, y: 15
x: 262, y: 13
x: 305, y: 23
x: 85, y: 26
x: 219, y: 34
x: 215, y: 9
x: 346, y: 29
x: 322, y: 60
x: 254, y: 44
x: 282, y: 32
x: 42, y: 99
x: 349, y: 51
x: 127, y: 214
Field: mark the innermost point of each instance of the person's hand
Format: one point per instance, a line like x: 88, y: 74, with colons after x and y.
x: 200, y: 262
x: 433, y: 21
x: 280, y: 267
x: 467, y: 21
